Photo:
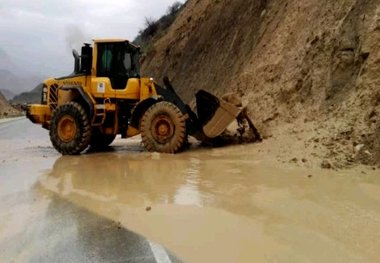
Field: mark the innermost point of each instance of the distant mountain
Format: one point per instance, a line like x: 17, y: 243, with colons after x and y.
x: 14, y: 79
x: 7, y: 94
x: 33, y: 96
x: 17, y: 84
x: 5, y: 61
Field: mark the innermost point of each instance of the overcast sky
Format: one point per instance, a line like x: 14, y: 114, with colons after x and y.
x: 38, y: 35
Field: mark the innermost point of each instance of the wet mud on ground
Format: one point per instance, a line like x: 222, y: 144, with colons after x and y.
x: 231, y: 204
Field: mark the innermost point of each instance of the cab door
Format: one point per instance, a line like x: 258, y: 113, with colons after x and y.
x: 114, y: 72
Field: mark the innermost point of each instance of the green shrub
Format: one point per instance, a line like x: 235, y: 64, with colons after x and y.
x: 155, y: 28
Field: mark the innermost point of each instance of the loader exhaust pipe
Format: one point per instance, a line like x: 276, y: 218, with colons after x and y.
x: 76, y: 61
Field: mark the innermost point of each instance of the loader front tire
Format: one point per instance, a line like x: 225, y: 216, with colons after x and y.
x: 70, y: 129
x: 163, y: 128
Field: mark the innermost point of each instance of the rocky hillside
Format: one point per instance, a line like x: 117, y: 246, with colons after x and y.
x: 7, y: 94
x: 315, y: 62
x: 5, y: 109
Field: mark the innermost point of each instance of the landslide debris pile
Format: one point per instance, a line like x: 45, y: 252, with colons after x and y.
x: 317, y: 61
x: 5, y: 109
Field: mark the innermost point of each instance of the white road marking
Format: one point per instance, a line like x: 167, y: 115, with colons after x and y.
x: 159, y: 253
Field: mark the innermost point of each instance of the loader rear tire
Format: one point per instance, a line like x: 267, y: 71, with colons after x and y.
x: 163, y: 128
x: 70, y: 129
x: 100, y: 140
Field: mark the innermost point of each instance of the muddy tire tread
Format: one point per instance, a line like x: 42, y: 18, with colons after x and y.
x: 82, y: 140
x: 178, y: 141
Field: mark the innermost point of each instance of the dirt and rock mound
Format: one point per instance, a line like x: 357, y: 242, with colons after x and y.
x: 313, y: 65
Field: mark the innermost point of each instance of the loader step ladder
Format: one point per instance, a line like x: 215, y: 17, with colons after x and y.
x: 99, y: 114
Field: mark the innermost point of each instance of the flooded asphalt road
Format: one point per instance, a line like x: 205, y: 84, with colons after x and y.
x: 205, y: 205
x: 37, y: 225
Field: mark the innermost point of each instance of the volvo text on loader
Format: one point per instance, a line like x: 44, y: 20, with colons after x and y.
x: 106, y: 96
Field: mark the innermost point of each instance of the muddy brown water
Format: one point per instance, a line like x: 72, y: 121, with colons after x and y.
x: 226, y: 205
x: 206, y: 205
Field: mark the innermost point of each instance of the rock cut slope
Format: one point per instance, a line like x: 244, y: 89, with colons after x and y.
x: 300, y: 63
x: 5, y: 109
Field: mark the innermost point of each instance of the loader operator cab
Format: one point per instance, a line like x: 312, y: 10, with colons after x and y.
x: 118, y: 61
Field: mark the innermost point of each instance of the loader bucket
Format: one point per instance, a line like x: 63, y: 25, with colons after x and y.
x: 214, y: 114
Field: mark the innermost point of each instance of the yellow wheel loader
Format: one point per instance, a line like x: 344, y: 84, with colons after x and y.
x: 105, y: 96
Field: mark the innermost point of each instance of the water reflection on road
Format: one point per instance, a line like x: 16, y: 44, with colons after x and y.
x: 220, y: 205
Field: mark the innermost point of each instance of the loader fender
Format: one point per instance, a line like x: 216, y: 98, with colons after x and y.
x: 86, y: 100
x: 139, y: 110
